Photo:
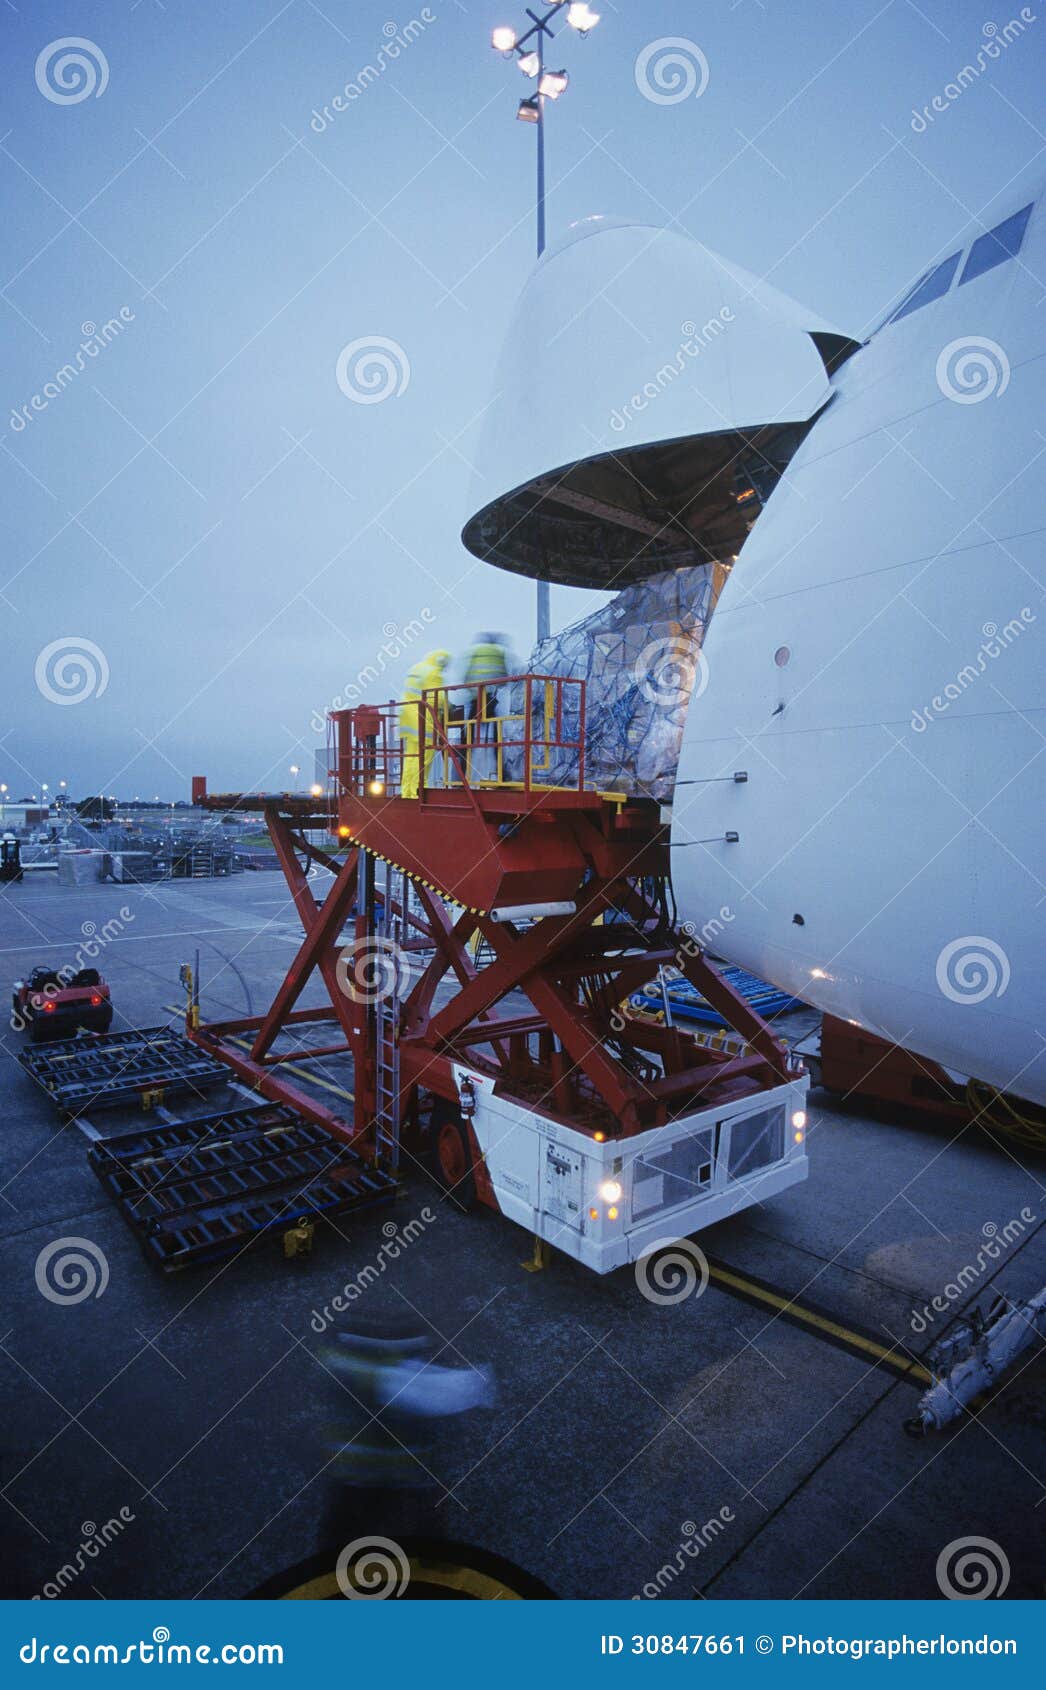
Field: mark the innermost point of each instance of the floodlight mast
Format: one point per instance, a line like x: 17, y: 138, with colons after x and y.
x: 529, y: 51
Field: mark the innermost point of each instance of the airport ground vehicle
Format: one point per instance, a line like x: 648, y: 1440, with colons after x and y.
x: 52, y: 1004
x: 10, y: 861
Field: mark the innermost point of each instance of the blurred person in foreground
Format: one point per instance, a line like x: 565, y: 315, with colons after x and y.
x: 382, y: 1477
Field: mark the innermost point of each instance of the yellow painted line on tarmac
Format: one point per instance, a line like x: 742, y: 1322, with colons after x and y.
x: 290, y: 1067
x: 817, y: 1322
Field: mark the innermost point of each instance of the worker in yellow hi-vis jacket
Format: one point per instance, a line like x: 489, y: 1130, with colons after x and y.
x: 427, y: 673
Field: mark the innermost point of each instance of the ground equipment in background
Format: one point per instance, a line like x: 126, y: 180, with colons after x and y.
x: 975, y: 1357
x: 195, y: 1191
x: 513, y: 1072
x: 10, y: 861
x: 854, y: 1062
x: 140, y: 1065
x: 55, y: 1004
x: 686, y: 1003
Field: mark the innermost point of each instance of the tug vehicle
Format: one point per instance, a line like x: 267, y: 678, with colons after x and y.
x: 52, y: 1004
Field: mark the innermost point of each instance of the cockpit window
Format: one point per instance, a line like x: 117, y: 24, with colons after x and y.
x: 1000, y: 243
x: 932, y: 286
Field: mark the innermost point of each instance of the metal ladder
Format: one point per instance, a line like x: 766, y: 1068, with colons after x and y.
x: 390, y: 928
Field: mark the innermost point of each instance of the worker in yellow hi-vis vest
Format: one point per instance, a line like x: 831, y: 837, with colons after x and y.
x: 427, y: 673
x: 487, y: 663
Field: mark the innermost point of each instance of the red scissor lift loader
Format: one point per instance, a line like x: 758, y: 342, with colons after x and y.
x: 477, y: 944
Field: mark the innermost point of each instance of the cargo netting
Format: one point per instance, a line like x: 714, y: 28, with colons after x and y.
x: 640, y: 657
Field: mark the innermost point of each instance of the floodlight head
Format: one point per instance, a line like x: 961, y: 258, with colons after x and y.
x: 581, y: 17
x: 503, y: 39
x: 529, y: 63
x: 553, y: 83
x: 529, y: 110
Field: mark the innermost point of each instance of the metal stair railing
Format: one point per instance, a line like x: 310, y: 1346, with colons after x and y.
x: 390, y: 925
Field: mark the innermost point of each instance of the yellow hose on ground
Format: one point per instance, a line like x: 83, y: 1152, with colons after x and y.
x: 985, y: 1106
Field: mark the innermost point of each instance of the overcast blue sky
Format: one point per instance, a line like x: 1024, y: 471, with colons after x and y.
x: 202, y: 503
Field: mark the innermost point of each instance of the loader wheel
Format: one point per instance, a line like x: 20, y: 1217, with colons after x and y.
x: 415, y: 1569
x: 450, y: 1157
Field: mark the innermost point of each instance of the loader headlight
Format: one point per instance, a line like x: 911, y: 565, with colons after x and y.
x: 610, y: 1191
x: 799, y: 1119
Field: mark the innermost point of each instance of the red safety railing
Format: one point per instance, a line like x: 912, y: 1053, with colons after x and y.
x: 523, y: 733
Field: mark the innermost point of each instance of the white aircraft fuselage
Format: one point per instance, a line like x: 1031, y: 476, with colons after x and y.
x: 875, y: 660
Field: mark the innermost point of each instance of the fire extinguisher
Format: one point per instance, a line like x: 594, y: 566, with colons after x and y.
x: 467, y: 1098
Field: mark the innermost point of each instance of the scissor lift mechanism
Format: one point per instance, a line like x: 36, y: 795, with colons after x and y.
x: 521, y: 1078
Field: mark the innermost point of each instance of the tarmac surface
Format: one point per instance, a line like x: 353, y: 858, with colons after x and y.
x: 622, y: 1432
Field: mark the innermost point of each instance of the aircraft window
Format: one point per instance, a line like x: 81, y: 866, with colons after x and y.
x: 936, y: 283
x: 996, y: 246
x: 913, y: 289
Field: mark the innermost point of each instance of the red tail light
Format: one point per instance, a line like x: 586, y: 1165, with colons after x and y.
x: 48, y: 1006
x: 96, y: 999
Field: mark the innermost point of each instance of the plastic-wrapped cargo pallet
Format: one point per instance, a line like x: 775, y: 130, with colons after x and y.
x: 641, y: 659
